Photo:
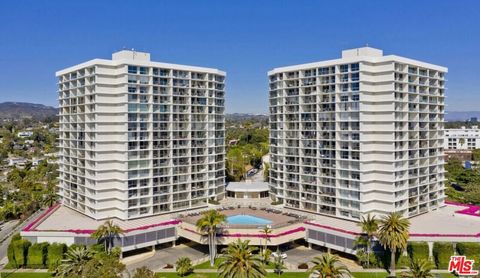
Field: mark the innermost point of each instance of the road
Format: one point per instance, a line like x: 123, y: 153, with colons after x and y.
x: 7, y: 229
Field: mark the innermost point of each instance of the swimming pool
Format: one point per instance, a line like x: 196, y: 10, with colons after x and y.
x: 245, y: 219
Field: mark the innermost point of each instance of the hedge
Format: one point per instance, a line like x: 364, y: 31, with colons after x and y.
x: 469, y: 249
x: 20, y: 250
x: 418, y: 250
x: 37, y: 255
x: 442, y: 251
x: 55, y: 254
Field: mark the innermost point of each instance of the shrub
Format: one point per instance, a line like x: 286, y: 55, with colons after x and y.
x: 469, y: 249
x: 403, y: 261
x: 37, y: 255
x: 418, y: 250
x: 274, y: 203
x: 16, y: 237
x: 441, y: 254
x: 55, y: 254
x: 303, y: 266
x: 213, y: 202
x: 183, y: 266
x: 20, y: 251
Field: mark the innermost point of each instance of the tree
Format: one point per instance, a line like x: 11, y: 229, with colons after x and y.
x: 75, y: 260
x: 266, y: 172
x: 50, y: 198
x: 266, y: 231
x: 329, y: 266
x: 369, y: 227
x: 183, y: 266
x: 239, y: 261
x: 419, y: 269
x: 107, y: 233
x: 278, y: 265
x: 393, y: 234
x: 104, y: 265
x: 143, y: 272
x: 208, y: 224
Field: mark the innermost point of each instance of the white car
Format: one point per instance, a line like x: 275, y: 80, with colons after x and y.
x: 282, y: 255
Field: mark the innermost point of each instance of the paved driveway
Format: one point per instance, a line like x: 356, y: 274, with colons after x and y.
x: 301, y: 254
x: 169, y: 255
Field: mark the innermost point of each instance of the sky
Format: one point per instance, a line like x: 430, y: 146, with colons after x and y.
x: 244, y: 38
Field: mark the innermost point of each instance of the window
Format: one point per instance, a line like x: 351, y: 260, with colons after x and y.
x: 132, y: 89
x: 343, y: 68
x: 344, y: 98
x: 355, y: 97
x: 132, y: 69
x: 355, y: 86
x: 344, y: 87
x: 355, y: 67
x: 143, y: 70
x: 355, y: 76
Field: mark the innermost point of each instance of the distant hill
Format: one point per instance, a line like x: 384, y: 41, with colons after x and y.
x: 19, y: 110
x: 461, y: 115
x: 245, y: 116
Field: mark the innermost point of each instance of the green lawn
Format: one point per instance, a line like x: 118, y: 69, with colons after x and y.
x: 206, y: 265
x: 214, y: 275
x: 384, y: 274
x: 26, y: 275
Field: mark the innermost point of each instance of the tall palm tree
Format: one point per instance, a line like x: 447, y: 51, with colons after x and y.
x: 238, y: 261
x: 49, y: 199
x: 419, y: 269
x: 369, y: 227
x: 74, y: 263
x: 393, y: 234
x: 329, y: 266
x: 107, y: 232
x: 266, y: 231
x: 208, y: 224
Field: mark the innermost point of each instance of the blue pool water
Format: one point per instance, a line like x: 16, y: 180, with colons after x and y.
x: 245, y: 219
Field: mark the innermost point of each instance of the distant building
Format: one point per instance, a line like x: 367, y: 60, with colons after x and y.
x: 474, y: 120
x: 25, y: 134
x: 462, y: 138
x: 17, y: 161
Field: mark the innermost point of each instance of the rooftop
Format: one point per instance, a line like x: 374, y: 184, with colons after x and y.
x: 247, y: 186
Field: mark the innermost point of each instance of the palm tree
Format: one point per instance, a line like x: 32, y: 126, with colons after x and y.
x: 107, y: 232
x: 329, y: 266
x: 183, y: 266
x: 49, y: 199
x: 369, y: 227
x: 75, y: 260
x: 419, y: 269
x: 266, y: 231
x: 143, y: 272
x: 393, y: 234
x: 208, y: 224
x: 238, y: 261
x: 278, y: 265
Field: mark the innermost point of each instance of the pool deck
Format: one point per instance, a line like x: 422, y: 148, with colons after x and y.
x: 278, y: 219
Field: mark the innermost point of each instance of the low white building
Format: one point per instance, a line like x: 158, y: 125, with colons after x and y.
x: 462, y: 138
x: 25, y: 134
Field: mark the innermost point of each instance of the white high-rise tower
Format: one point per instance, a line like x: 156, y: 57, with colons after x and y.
x: 139, y: 138
x: 357, y: 135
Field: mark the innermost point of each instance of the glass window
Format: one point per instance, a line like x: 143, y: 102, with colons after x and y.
x: 355, y: 86
x: 355, y: 97
x: 355, y: 76
x: 344, y: 98
x: 143, y: 70
x: 343, y: 68
x: 132, y: 89
x: 344, y: 87
x: 355, y: 67
x: 132, y: 69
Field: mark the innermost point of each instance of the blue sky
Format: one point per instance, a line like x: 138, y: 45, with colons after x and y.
x: 245, y: 38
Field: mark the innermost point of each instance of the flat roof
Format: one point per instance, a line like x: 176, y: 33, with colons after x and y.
x: 63, y: 219
x: 441, y: 222
x: 247, y: 186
